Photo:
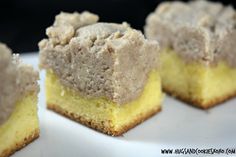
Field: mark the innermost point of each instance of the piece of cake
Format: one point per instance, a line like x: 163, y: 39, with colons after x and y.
x: 18, y: 103
x: 198, y: 53
x: 103, y: 75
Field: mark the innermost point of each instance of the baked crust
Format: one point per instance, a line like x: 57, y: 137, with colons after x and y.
x: 197, y: 102
x: 102, y: 128
x: 27, y: 140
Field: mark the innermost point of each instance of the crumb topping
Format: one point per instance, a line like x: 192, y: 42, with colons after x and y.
x: 16, y: 79
x: 197, y: 30
x: 102, y: 60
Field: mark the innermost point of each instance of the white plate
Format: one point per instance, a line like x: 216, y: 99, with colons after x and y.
x: 177, y: 126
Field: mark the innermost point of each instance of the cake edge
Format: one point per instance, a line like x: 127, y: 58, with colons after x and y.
x: 106, y: 130
x: 198, y: 103
x: 18, y: 146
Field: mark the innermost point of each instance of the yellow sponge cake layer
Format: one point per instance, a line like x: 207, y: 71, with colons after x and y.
x: 203, y: 86
x: 21, y: 128
x: 100, y: 113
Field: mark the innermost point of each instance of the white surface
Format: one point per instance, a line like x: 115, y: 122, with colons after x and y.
x: 177, y: 126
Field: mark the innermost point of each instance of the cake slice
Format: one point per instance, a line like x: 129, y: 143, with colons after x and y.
x: 103, y: 75
x: 198, y: 53
x: 18, y: 103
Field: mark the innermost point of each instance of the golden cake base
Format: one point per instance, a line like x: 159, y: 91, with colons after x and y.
x: 199, y: 103
x: 197, y: 84
x: 21, y: 128
x: 98, y: 126
x: 102, y: 114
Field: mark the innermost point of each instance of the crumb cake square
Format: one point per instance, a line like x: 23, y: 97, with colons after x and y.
x: 198, y: 53
x: 103, y: 75
x: 18, y: 103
